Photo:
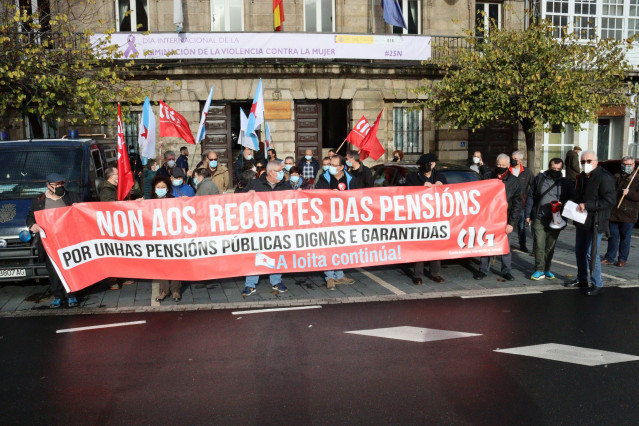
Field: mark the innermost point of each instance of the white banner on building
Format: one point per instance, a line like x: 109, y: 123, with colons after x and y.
x: 270, y: 46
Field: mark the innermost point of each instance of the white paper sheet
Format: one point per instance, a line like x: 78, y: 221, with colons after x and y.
x: 570, y: 212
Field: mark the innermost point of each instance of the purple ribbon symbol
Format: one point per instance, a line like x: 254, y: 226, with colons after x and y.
x: 131, y: 50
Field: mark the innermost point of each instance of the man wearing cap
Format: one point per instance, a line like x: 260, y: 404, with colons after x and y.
x: 572, y: 163
x: 55, y: 196
x: 180, y: 187
x: 427, y: 176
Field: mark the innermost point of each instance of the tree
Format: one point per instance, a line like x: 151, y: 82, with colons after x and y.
x: 50, y: 71
x: 531, y: 78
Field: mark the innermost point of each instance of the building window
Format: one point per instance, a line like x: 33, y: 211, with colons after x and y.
x: 407, y: 130
x: 557, y: 143
x: 633, y: 20
x: 585, y: 19
x: 227, y: 15
x: 612, y: 19
x: 486, y: 14
x: 412, y: 11
x: 132, y: 11
x: 39, y: 8
x: 557, y: 14
x: 131, y: 127
x: 318, y: 16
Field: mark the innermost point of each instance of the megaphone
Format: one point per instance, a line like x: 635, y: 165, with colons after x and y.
x: 557, y: 222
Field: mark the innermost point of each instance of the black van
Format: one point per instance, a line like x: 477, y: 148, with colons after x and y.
x: 25, y: 165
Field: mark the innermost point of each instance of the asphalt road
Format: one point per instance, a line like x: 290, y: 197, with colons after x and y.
x: 301, y: 367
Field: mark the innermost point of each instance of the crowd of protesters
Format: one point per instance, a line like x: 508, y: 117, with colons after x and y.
x: 611, y: 203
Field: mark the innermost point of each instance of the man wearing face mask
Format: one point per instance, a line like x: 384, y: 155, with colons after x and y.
x: 338, y: 179
x: 203, y: 183
x: 309, y: 166
x: 326, y: 163
x: 358, y: 170
x: 220, y: 175
x: 525, y: 179
x: 55, y: 196
x: 427, y: 176
x: 238, y: 167
x: 595, y: 194
x: 514, y: 202
x: 624, y: 217
x: 178, y: 182
x: 548, y: 187
x: 169, y: 164
x: 272, y: 180
x: 289, y: 163
x: 149, y: 173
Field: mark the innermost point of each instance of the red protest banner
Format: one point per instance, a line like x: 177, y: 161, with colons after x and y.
x: 172, y: 123
x: 359, y: 132
x: 231, y: 235
x: 370, y: 145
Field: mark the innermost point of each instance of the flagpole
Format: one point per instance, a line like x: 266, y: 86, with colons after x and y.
x: 340, y: 147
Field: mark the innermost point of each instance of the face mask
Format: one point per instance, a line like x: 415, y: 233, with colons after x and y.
x: 295, y: 179
x: 425, y: 167
x: 249, y: 157
x: 155, y: 168
x: 554, y: 174
x: 332, y: 170
x: 195, y: 181
x: 160, y: 192
x: 588, y: 168
x: 288, y: 167
x: 170, y: 164
x: 308, y: 157
x: 131, y: 151
x: 349, y: 164
x: 626, y: 169
x: 177, y: 182
x: 115, y: 181
x: 501, y: 170
x: 280, y: 175
x: 325, y: 167
x: 396, y: 158
x: 476, y: 160
x: 513, y: 162
x: 59, y: 191
x: 213, y: 164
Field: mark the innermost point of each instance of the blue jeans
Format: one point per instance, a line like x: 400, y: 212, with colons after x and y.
x: 620, y: 236
x: 521, y: 228
x: 336, y: 275
x: 583, y: 245
x: 252, y: 280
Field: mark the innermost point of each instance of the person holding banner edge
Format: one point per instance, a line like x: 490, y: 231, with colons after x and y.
x: 55, y: 196
x: 337, y: 179
x: 514, y: 201
x: 272, y: 180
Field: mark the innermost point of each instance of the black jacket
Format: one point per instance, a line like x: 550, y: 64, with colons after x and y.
x: 563, y: 191
x: 629, y: 209
x: 363, y: 176
x: 572, y: 165
x: 597, y: 192
x: 37, y: 204
x: 525, y: 179
x: 419, y: 178
x: 514, y: 197
x: 261, y: 185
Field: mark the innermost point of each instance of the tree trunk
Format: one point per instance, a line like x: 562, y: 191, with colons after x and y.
x: 529, y: 133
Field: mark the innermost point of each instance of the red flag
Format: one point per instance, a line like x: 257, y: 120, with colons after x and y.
x: 370, y: 145
x: 359, y: 132
x: 278, y: 14
x: 125, y: 177
x: 172, y: 123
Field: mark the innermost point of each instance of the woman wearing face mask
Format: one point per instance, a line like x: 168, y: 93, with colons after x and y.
x: 296, y: 179
x: 398, y: 155
x: 161, y: 189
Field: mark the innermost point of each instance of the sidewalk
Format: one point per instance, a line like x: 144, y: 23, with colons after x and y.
x: 373, y: 284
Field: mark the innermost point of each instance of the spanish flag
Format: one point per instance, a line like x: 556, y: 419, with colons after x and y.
x: 278, y: 14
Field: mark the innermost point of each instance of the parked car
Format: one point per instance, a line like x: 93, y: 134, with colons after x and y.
x: 25, y: 165
x: 394, y: 174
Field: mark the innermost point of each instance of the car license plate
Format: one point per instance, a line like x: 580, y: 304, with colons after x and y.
x: 10, y: 273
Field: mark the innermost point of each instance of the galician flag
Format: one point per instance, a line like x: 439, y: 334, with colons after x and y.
x: 268, y: 141
x: 255, y: 117
x: 146, y: 137
x: 125, y: 177
x: 201, y: 132
x: 242, y: 139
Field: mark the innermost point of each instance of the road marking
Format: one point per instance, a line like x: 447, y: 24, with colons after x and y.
x: 475, y: 296
x: 623, y: 280
x: 413, y: 334
x: 261, y: 311
x: 572, y: 354
x: 628, y: 285
x: 381, y: 282
x: 95, y: 327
